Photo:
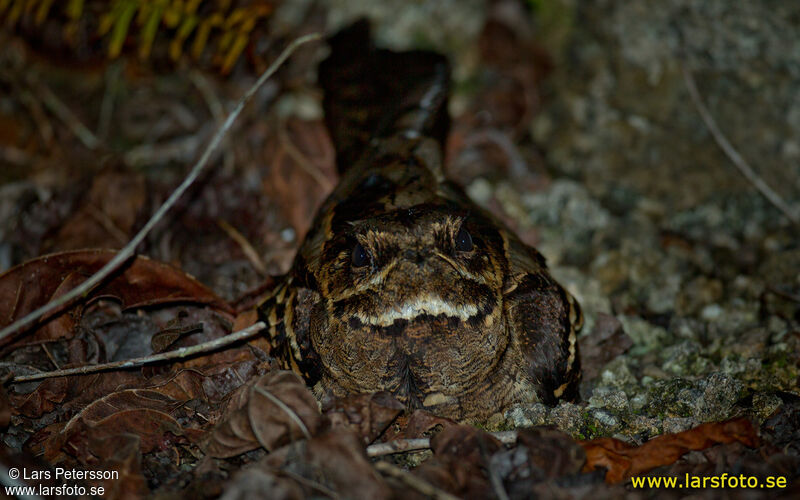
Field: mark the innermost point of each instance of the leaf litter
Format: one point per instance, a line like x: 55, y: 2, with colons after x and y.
x: 228, y: 423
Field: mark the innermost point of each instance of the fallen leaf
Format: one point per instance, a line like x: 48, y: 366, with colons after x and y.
x: 104, y: 449
x: 334, y: 461
x: 5, y: 409
x: 140, y: 282
x: 253, y: 483
x: 48, y: 395
x: 121, y: 453
x: 418, y: 425
x: 107, y: 214
x: 302, y: 172
x: 553, y: 452
x: 141, y: 412
x: 623, y: 460
x: 368, y: 415
x: 467, y: 443
x: 461, y: 461
x: 268, y: 412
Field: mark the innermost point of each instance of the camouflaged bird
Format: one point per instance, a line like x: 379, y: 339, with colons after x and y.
x: 403, y: 284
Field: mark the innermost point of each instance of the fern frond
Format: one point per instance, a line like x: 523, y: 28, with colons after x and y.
x: 229, y: 24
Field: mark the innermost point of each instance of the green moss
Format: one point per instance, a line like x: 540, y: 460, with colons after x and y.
x: 555, y: 20
x: 672, y: 398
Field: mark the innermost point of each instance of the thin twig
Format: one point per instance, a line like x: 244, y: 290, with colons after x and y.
x: 408, y: 445
x: 301, y: 160
x: 783, y: 294
x: 176, y: 149
x: 129, y: 249
x: 64, y: 114
x: 741, y: 164
x: 413, y: 481
x: 183, y: 352
x: 38, y: 115
x: 497, y: 482
x: 245, y: 245
x: 283, y: 406
x: 398, y: 446
x: 215, y: 107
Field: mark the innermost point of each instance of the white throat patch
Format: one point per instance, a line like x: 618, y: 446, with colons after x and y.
x: 429, y: 304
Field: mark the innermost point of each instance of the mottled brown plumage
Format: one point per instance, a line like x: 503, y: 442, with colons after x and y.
x: 403, y: 284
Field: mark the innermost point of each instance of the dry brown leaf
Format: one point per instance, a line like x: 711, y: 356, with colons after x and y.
x: 253, y: 483
x: 268, y: 412
x: 181, y: 386
x: 5, y: 409
x: 141, y: 412
x: 623, y: 460
x: 141, y: 282
x: 368, y: 415
x: 553, y: 452
x: 47, y: 396
x: 467, y: 443
x: 103, y: 449
x: 461, y: 459
x: 418, y: 425
x: 335, y: 461
x: 107, y: 214
x: 302, y: 172
x: 121, y: 453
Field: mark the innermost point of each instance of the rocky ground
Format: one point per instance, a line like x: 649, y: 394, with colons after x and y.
x: 689, y: 279
x: 648, y: 221
x: 644, y: 218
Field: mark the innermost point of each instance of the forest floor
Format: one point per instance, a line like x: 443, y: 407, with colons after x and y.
x: 574, y: 124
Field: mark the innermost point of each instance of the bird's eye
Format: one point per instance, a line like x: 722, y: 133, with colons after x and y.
x: 463, y: 240
x: 360, y: 256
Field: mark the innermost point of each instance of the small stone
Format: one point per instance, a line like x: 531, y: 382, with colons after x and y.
x: 711, y: 312
x: 609, y: 397
x: 720, y: 394
x: 567, y: 417
x: 618, y: 373
x: 674, y: 425
x: 288, y: 234
x: 415, y: 459
x: 676, y: 397
x: 679, y: 356
x: 751, y: 343
x: 480, y: 190
x: 778, y: 328
x: 646, y: 336
x: 607, y: 422
x: 697, y: 294
x: 638, y: 401
x: 496, y: 422
x: 765, y: 405
x: 645, y: 427
x: 526, y: 415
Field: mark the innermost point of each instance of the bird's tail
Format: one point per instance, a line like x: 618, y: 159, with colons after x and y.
x: 372, y: 93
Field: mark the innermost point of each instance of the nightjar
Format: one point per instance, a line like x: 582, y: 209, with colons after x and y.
x: 403, y: 284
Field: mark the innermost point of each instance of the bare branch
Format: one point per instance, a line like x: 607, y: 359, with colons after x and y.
x: 408, y: 445
x: 398, y: 446
x: 130, y: 248
x: 63, y: 112
x: 740, y: 163
x: 183, y: 352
